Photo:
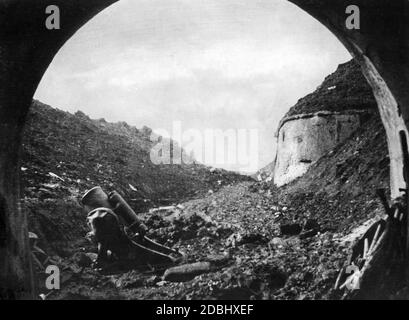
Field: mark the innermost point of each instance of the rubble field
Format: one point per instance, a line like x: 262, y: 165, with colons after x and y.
x: 254, y: 241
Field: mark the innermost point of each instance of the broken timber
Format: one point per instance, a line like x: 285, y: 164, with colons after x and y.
x: 376, y: 267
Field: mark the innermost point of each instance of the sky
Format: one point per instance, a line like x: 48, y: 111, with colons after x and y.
x: 195, y: 64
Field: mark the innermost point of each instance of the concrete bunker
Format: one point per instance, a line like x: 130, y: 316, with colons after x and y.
x: 320, y: 121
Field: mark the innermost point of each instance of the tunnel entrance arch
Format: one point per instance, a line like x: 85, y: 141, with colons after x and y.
x: 27, y: 49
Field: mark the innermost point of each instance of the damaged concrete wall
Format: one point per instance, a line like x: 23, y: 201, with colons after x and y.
x: 321, y: 120
x: 303, y: 139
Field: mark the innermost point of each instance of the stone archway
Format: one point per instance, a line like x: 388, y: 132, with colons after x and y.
x: 27, y: 47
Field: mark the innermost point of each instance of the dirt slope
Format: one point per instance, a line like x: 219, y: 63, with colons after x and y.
x: 345, y: 89
x: 64, y: 155
x: 87, y: 152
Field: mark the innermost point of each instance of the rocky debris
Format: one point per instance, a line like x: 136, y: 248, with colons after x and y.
x: 238, y: 239
x: 277, y: 243
x: 219, y: 260
x: 276, y: 277
x: 349, y: 90
x: 168, y: 213
x: 132, y: 280
x: 181, y: 227
x: 85, y: 259
x: 59, y: 224
x: 259, y: 187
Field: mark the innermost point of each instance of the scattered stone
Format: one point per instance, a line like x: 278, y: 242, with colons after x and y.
x: 153, y: 280
x: 129, y: 280
x: 32, y: 236
x: 238, y: 239
x: 186, y: 272
x: 85, y: 260
x: 233, y: 240
x: 93, y: 256
x: 219, y: 259
x: 277, y: 242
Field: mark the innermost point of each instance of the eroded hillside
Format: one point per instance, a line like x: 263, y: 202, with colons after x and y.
x: 64, y: 155
x: 345, y: 89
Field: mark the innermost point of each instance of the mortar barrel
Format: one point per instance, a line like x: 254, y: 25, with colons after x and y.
x: 96, y: 198
x: 122, y: 209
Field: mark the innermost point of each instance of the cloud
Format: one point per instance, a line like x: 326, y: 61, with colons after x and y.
x: 206, y: 63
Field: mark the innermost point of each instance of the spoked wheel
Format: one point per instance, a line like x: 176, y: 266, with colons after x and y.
x: 377, y: 260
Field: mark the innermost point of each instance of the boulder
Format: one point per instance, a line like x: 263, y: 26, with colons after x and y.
x: 277, y: 242
x: 186, y: 272
x: 219, y: 259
